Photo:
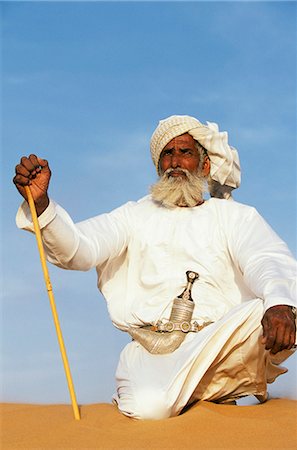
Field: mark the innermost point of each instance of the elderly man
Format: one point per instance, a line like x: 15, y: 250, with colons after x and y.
x: 205, y: 287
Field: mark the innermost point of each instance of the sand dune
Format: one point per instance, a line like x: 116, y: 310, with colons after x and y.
x: 272, y: 425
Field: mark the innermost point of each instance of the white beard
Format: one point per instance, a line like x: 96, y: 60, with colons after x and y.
x: 179, y: 191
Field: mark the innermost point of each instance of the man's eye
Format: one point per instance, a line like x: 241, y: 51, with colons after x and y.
x: 167, y: 152
x: 186, y: 151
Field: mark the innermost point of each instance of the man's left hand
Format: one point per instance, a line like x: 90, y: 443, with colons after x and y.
x: 279, y: 328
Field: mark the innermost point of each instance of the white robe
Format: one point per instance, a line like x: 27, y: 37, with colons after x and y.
x: 141, y: 252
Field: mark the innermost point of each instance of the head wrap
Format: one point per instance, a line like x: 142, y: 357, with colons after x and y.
x: 225, y: 166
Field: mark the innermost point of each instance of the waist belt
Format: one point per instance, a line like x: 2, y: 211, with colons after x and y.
x: 184, y: 326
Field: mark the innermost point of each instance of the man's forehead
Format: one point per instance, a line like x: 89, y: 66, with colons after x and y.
x: 185, y: 138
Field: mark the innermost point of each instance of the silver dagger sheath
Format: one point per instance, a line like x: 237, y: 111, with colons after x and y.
x: 166, y: 337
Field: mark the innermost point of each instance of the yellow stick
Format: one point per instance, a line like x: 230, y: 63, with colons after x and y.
x: 52, y: 303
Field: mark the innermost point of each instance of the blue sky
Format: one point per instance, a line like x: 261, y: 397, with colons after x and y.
x: 84, y: 85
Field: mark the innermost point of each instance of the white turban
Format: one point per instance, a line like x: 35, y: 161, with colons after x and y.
x: 225, y: 166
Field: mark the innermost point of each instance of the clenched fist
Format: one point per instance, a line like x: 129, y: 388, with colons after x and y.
x: 34, y: 172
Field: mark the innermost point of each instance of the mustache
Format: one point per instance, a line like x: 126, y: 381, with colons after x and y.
x: 178, y: 170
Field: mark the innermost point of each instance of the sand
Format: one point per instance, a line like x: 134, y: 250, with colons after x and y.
x: 271, y: 425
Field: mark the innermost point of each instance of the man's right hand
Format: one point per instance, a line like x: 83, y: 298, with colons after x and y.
x: 34, y: 172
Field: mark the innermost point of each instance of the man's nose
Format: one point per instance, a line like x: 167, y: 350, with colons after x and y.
x: 175, y: 161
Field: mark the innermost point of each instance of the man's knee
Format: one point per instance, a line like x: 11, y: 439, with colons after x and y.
x: 149, y: 404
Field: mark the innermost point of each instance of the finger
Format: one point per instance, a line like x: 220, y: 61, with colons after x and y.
x: 34, y: 160
x: 270, y: 337
x: 43, y: 163
x: 292, y: 339
x: 21, y: 170
x: 27, y: 164
x: 264, y: 339
x: 289, y: 335
x: 21, y: 180
x: 278, y: 342
x: 286, y: 339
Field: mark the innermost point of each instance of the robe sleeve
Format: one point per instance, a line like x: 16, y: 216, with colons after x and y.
x: 267, y: 265
x: 84, y: 245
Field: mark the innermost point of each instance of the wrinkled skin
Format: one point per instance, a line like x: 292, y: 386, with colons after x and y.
x: 181, y: 153
x: 34, y: 172
x: 279, y: 327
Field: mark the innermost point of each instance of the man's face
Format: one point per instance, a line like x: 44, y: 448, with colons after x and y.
x: 180, y: 153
